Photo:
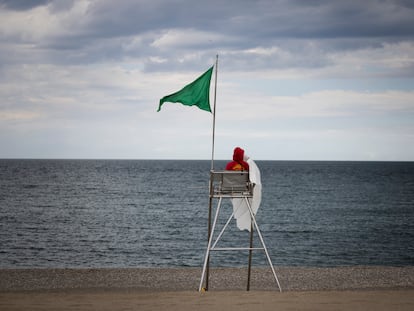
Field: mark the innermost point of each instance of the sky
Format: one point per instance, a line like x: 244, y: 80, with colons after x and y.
x: 296, y: 79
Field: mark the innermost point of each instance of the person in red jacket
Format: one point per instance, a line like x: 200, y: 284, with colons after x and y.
x: 238, y: 163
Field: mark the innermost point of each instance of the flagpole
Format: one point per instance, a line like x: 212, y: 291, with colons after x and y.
x: 211, y: 175
x: 214, y: 115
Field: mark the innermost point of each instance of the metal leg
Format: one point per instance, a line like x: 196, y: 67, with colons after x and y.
x: 210, y: 207
x: 206, y: 259
x: 263, y: 244
x: 249, y: 269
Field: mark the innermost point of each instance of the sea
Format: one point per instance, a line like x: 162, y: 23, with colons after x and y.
x: 154, y: 213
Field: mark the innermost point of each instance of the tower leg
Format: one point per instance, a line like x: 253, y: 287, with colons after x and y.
x: 210, y: 212
x: 249, y: 269
x: 206, y: 259
x: 263, y: 244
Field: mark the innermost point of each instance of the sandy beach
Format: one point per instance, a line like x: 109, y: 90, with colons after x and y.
x: 345, y: 288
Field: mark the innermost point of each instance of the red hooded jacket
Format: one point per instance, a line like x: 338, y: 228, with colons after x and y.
x: 238, y: 164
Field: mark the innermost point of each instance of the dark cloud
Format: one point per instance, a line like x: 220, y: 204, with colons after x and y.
x: 253, y: 23
x: 328, y: 19
x: 108, y: 28
x: 22, y: 5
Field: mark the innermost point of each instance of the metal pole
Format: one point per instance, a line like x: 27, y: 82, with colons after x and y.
x: 210, y: 211
x: 214, y: 115
x: 263, y: 244
x: 212, y: 169
x: 249, y: 270
x: 203, y: 274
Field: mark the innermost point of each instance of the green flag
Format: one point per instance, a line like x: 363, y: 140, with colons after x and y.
x: 196, y: 93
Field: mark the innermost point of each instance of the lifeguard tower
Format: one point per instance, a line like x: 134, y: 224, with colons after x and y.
x: 231, y: 185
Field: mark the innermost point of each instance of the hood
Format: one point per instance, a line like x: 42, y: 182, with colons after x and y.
x: 238, y: 154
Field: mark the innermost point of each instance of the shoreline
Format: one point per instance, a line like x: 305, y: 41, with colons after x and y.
x: 221, y: 279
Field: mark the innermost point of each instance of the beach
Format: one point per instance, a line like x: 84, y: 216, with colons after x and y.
x: 339, y: 288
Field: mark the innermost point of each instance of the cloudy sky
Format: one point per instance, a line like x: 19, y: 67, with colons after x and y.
x: 297, y: 79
